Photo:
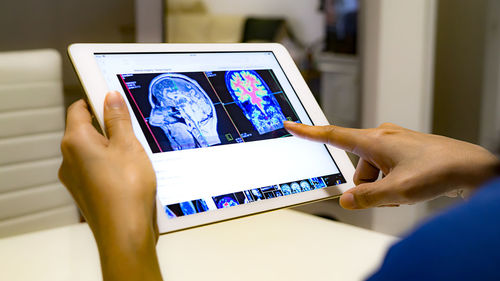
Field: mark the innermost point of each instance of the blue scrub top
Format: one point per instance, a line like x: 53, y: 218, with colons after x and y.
x: 460, y: 244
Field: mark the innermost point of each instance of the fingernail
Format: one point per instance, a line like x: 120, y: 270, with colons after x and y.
x: 347, y: 201
x: 114, y: 100
x: 289, y: 123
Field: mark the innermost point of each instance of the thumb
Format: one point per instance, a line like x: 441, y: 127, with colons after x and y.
x: 368, y: 195
x: 116, y: 118
x: 344, y: 138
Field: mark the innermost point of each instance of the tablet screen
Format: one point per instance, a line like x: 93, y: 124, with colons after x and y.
x: 212, y: 124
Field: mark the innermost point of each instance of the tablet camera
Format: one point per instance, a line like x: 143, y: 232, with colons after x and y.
x: 183, y: 110
x: 253, y: 96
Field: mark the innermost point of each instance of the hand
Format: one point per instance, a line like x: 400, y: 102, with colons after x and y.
x: 415, y: 166
x: 113, y: 182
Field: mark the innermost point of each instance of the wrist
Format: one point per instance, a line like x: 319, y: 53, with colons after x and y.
x: 128, y: 254
x: 127, y: 247
x: 477, y: 171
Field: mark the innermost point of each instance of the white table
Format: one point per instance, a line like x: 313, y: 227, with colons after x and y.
x: 283, y: 245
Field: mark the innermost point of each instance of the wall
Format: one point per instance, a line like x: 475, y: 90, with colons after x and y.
x: 397, y: 54
x: 490, y: 115
x: 459, y: 68
x: 398, y: 45
x: 303, y: 15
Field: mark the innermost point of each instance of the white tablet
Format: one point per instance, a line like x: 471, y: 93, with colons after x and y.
x: 210, y: 117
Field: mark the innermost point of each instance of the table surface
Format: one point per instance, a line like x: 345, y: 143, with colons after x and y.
x: 282, y: 245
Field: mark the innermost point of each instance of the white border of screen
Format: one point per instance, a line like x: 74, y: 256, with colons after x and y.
x: 87, y: 69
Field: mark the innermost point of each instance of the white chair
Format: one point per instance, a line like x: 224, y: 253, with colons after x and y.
x: 31, y: 127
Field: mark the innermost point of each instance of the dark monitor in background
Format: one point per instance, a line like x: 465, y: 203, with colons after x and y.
x: 341, y: 25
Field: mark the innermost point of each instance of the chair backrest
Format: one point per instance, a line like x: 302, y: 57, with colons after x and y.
x: 31, y: 127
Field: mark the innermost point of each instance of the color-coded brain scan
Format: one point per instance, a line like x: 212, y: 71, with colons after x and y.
x: 226, y: 202
x: 305, y: 186
x: 183, y: 110
x: 251, y: 93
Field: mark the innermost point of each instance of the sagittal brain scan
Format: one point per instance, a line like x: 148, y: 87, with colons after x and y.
x: 178, y: 111
x: 182, y: 109
x: 256, y: 100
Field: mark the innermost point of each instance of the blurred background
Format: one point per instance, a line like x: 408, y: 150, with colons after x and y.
x: 429, y: 65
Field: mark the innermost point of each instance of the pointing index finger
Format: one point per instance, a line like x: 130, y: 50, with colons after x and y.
x: 344, y: 138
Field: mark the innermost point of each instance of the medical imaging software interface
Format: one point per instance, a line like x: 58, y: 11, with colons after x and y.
x: 184, y: 114
x: 190, y: 110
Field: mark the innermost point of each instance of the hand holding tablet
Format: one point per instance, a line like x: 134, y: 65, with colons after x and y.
x: 210, y: 118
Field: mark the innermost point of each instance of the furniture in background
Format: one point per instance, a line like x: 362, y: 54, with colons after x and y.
x: 282, y: 245
x: 191, y: 23
x: 31, y: 127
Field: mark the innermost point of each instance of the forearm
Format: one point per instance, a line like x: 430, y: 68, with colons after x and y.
x: 128, y: 254
x: 478, y: 168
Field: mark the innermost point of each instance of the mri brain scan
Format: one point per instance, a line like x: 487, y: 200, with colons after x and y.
x: 286, y: 189
x: 254, y: 97
x: 295, y: 187
x: 226, y: 202
x: 184, y: 111
x: 305, y: 186
x: 187, y: 208
x: 257, y: 194
x: 169, y: 212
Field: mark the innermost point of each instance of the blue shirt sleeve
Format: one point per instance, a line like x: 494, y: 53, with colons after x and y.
x: 460, y: 244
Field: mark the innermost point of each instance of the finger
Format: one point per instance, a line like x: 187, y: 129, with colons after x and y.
x: 343, y: 138
x: 365, y: 172
x: 369, y: 195
x: 117, y: 118
x: 78, y: 115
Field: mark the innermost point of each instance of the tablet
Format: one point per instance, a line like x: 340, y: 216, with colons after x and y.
x: 210, y: 117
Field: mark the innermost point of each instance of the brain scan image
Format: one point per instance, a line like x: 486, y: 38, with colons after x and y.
x: 285, y: 188
x: 251, y: 93
x: 169, y: 212
x: 183, y: 110
x: 317, y: 183
x: 295, y: 187
x: 201, y: 205
x: 257, y: 194
x: 187, y: 208
x: 226, y: 202
x: 249, y: 196
x: 305, y: 186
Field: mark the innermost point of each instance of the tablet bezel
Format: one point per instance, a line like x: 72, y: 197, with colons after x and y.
x: 95, y: 87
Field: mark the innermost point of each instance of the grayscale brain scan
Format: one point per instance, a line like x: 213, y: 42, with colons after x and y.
x: 183, y: 110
